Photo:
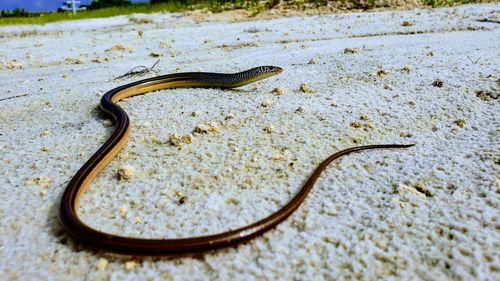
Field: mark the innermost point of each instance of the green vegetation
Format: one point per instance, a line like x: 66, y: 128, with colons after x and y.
x: 42, y: 18
x: 443, y: 3
x: 109, y: 8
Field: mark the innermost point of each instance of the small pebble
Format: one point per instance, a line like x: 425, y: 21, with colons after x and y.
x: 406, y: 190
x: 71, y: 60
x: 175, y: 139
x: 100, y: 60
x: 195, y: 113
x: 363, y: 117
x: 438, y: 83
x: 406, y: 23
x: 313, y: 61
x: 107, y: 123
x: 487, y: 95
x: 123, y: 210
x: 459, y: 122
x: 351, y: 50
x: 427, y: 191
x: 44, y: 133
x: 126, y: 172
x: 130, y: 265
x: 137, y: 220
x: 382, y: 73
x: 121, y: 47
x: 368, y: 126
x: 187, y: 139
x: 279, y: 91
x: 267, y: 103
x: 230, y: 115
x: 213, y: 127
x: 206, y: 127
x: 156, y: 54
x: 278, y: 157
x: 13, y: 64
x: 269, y: 129
x: 42, y: 181
x: 123, y: 155
x: 405, y: 135
x: 304, y: 88
x: 406, y: 69
x: 356, y: 124
x: 300, y: 109
x: 102, y: 264
x: 201, y: 128
x: 165, y: 45
x: 183, y: 200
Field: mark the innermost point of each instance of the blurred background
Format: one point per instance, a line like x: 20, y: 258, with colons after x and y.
x: 54, y: 5
x: 44, y: 11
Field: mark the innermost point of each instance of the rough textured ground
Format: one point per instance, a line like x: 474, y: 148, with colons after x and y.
x: 428, y: 77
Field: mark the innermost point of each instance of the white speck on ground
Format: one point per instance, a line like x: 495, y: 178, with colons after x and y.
x: 429, y: 212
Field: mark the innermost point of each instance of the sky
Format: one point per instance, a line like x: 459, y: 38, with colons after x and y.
x: 40, y: 5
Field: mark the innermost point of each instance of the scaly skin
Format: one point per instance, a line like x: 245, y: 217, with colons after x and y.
x: 157, y: 247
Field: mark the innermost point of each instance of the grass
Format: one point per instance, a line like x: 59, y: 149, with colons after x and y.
x: 212, y: 5
x: 443, y: 3
x: 43, y: 18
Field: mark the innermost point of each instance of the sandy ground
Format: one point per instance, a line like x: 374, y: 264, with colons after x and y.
x: 428, y: 77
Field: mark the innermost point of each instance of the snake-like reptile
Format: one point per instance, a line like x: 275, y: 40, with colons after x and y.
x: 139, y: 246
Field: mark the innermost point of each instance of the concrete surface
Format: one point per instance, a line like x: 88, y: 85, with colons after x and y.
x: 428, y: 77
